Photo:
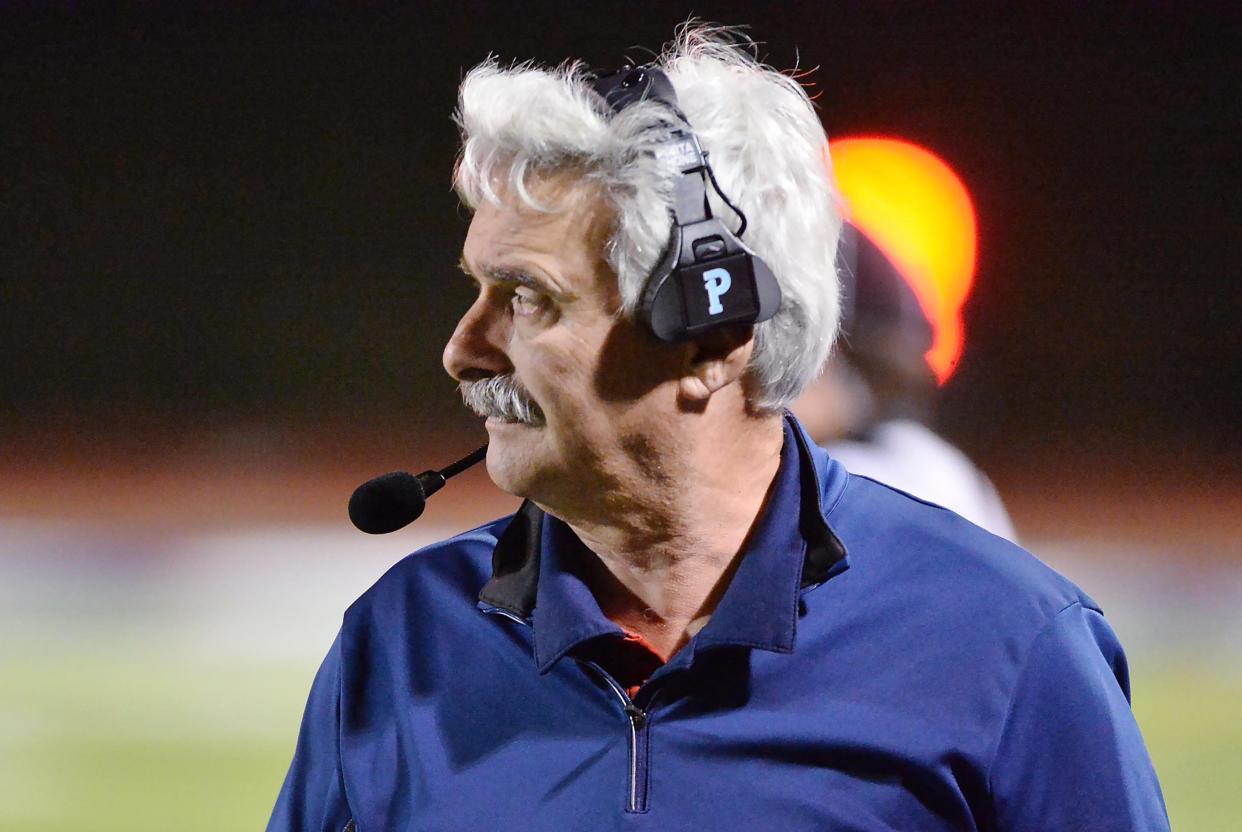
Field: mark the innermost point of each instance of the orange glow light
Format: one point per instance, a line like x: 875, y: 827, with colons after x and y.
x: 916, y: 210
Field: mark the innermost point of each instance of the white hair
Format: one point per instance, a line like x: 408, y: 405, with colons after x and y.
x: 767, y: 148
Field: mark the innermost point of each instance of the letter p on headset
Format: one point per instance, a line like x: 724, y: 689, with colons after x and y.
x: 717, y: 283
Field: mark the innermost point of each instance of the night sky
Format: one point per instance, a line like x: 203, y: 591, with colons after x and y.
x: 225, y: 214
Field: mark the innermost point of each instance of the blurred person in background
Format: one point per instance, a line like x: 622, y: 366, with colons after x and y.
x: 874, y: 402
x: 696, y: 619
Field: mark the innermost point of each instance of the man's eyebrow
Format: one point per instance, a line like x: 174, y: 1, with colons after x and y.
x: 500, y: 274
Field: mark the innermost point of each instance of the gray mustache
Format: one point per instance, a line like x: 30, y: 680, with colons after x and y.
x: 501, y: 397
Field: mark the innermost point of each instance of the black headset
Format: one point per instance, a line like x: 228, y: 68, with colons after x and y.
x: 706, y: 277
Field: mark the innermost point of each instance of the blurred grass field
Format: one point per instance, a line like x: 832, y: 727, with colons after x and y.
x: 151, y: 742
x: 143, y: 742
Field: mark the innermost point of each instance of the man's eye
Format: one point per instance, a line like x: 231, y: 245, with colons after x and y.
x: 526, y: 302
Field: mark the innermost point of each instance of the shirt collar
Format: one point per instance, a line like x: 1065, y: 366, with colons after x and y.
x: 534, y: 574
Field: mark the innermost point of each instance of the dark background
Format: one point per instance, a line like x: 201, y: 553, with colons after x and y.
x: 225, y: 215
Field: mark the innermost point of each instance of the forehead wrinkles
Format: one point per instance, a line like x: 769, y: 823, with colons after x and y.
x: 569, y: 207
x: 567, y: 192
x: 585, y: 205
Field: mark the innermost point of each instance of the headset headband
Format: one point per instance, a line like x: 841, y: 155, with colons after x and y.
x: 706, y: 277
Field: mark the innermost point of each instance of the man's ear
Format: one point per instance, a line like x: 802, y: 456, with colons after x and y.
x: 714, y: 360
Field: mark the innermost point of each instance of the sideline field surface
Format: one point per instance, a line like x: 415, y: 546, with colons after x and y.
x: 157, y: 684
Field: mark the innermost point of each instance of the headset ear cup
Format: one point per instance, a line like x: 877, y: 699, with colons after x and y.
x: 661, y: 304
x: 767, y: 287
x: 668, y: 321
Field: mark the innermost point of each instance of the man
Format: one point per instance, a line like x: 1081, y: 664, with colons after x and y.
x: 872, y: 405
x: 696, y: 620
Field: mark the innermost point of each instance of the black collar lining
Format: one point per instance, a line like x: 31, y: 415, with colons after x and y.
x: 823, y: 548
x: 515, y: 563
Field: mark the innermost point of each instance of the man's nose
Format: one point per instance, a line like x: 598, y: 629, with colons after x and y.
x: 477, y: 348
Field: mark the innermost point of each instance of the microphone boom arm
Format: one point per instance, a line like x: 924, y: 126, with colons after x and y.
x: 393, y: 501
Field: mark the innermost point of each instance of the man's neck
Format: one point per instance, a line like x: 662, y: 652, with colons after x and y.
x: 668, y: 548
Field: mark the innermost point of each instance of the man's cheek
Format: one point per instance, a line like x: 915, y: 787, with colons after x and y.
x: 556, y: 384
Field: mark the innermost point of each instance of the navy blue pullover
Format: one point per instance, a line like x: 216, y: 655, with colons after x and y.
x: 876, y: 663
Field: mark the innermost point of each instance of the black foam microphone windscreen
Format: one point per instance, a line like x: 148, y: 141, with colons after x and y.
x: 387, y: 503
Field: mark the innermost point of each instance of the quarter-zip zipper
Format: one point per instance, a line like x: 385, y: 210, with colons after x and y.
x: 638, y: 719
x: 638, y: 759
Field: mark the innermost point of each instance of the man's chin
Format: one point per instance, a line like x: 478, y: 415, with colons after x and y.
x: 514, y: 455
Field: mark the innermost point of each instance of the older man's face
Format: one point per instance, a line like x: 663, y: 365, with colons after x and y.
x: 546, y: 323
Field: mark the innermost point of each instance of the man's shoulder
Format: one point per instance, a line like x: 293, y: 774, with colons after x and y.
x: 447, y: 571
x: 908, y: 545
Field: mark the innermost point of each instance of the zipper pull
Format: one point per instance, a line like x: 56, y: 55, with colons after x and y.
x: 637, y: 715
